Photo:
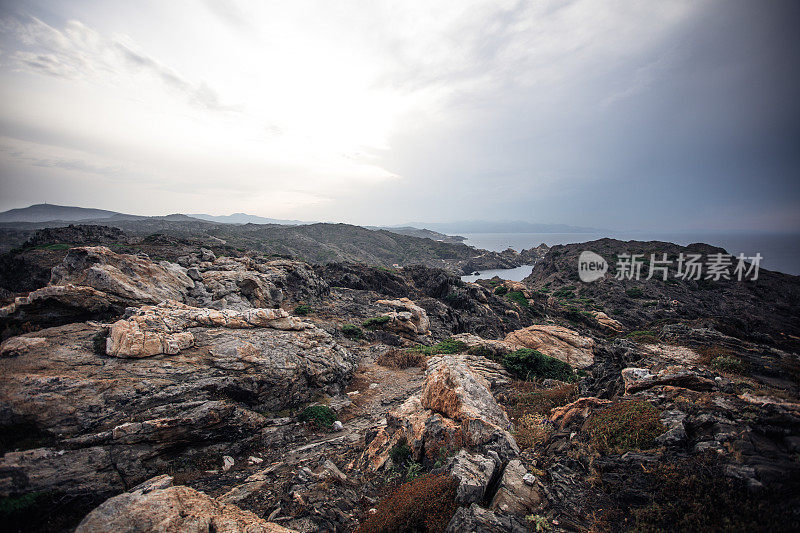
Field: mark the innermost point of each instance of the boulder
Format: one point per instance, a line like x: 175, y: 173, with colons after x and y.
x: 172, y: 509
x: 473, y: 472
x: 407, y: 318
x: 578, y: 410
x: 515, y: 496
x: 556, y: 341
x: 607, y: 322
x: 18, y: 345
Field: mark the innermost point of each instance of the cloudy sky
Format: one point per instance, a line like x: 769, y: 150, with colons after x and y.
x: 622, y: 114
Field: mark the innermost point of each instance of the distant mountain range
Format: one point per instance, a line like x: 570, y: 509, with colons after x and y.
x: 244, y: 218
x: 484, y: 226
x: 433, y: 230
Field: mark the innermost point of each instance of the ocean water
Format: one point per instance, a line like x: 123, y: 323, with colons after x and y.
x: 780, y: 252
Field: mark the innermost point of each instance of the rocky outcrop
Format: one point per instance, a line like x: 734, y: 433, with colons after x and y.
x: 128, y: 277
x: 162, y: 329
x: 158, y: 507
x: 518, y: 493
x: 607, y: 322
x: 454, y: 409
x: 407, y: 318
x: 637, y: 379
x: 102, y: 420
x: 556, y: 341
x: 486, y: 346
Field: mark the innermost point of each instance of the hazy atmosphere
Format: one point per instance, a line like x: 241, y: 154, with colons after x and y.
x: 622, y: 115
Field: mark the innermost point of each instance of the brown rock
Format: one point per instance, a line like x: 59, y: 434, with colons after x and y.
x: 556, y: 341
x: 172, y: 510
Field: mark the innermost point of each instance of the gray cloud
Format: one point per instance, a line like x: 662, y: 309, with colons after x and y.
x: 80, y: 52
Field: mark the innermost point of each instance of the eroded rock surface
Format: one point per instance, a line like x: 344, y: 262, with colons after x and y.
x: 556, y: 341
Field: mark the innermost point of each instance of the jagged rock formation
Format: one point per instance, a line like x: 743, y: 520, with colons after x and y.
x: 202, y: 370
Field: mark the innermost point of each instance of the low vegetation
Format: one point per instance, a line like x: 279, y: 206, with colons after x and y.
x: 625, y: 425
x: 320, y: 416
x: 529, y: 364
x: 501, y: 290
x: 447, y: 346
x: 693, y: 495
x: 426, y: 504
x: 376, y: 321
x: 303, y: 310
x: 352, y: 331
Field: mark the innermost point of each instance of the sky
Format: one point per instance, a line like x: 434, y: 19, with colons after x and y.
x: 629, y: 115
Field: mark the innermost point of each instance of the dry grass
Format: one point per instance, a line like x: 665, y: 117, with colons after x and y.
x: 401, y: 359
x: 625, y: 425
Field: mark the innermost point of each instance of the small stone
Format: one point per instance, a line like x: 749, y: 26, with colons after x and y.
x: 373, y: 386
x: 338, y: 426
x: 529, y: 479
x: 353, y: 393
x: 227, y: 462
x: 373, y: 511
x: 255, y: 460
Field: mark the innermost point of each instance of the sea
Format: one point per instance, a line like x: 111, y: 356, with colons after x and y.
x: 779, y: 252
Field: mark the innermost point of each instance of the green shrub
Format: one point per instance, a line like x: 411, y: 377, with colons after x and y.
x: 565, y: 292
x: 518, y: 297
x: 426, y: 504
x: 501, y: 290
x: 318, y: 415
x: 352, y: 331
x: 11, y: 505
x: 447, y: 346
x: 529, y: 364
x: 625, y: 425
x: 303, y: 310
x: 376, y: 321
x: 634, y: 292
x: 400, y: 453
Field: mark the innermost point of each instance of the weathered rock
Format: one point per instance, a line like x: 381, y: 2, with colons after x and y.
x: 452, y: 389
x: 556, y: 341
x: 172, y: 509
x: 143, y: 411
x: 454, y: 409
x: 577, y: 410
x: 407, y: 318
x: 493, y: 347
x: 19, y: 345
x: 489, y: 371
x: 56, y: 305
x: 161, y: 329
x: 514, y: 496
x: 473, y: 472
x: 476, y: 519
x: 607, y: 322
x: 125, y: 276
x: 637, y: 379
